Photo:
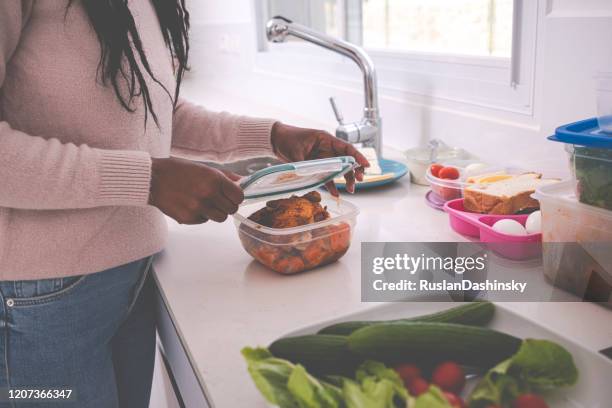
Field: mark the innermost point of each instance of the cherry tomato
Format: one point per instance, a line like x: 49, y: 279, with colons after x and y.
x: 417, y: 387
x: 449, y: 376
x: 448, y: 173
x: 408, y: 373
x: 435, y: 169
x: 454, y: 400
x: 529, y: 401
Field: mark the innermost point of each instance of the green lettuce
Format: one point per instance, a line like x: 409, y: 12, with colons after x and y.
x: 311, y: 393
x: 539, y: 365
x: 270, y: 376
x: 376, y: 386
x: 289, y: 385
x: 433, y: 398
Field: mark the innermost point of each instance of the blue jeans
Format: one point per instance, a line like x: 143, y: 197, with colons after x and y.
x: 93, y: 334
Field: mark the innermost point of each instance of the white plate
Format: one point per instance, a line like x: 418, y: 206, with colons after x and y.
x: 594, y: 387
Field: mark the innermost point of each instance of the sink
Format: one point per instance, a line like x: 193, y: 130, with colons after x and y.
x: 245, y: 167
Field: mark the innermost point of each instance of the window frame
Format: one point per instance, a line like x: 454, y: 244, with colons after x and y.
x: 489, y: 82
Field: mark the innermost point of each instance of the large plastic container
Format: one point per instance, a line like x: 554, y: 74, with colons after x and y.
x: 577, y: 243
x: 590, y: 161
x: 604, y: 101
x: 296, y: 249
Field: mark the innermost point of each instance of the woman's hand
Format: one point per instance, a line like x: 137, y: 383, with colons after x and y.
x: 293, y: 144
x: 193, y: 193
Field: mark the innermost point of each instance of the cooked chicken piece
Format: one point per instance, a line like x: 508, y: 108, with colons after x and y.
x: 291, y: 212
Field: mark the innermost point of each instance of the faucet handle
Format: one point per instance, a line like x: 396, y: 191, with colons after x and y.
x: 337, y: 112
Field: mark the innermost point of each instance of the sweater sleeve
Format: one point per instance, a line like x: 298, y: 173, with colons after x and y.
x: 43, y: 173
x: 204, y: 135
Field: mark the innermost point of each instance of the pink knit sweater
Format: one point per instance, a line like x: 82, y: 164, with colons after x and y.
x: 74, y: 165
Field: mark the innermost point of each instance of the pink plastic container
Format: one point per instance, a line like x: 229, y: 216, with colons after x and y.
x: 481, y: 226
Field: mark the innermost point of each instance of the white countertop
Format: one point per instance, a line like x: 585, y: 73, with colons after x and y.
x: 221, y: 300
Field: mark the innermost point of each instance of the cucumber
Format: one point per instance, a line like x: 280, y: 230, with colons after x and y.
x: 473, y: 314
x: 319, y: 354
x: 400, y: 342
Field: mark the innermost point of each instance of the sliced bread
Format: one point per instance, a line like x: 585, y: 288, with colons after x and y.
x: 506, y: 196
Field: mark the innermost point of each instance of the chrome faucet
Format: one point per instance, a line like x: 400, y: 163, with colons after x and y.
x: 368, y: 130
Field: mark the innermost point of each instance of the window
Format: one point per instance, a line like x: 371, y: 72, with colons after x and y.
x: 479, y: 52
x: 473, y: 27
x: 470, y: 27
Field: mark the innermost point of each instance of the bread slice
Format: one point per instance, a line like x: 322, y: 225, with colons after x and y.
x: 504, y: 197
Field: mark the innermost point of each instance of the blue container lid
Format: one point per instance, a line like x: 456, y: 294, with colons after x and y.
x: 584, y: 133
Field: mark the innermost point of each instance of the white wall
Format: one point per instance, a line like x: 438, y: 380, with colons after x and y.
x: 573, y: 44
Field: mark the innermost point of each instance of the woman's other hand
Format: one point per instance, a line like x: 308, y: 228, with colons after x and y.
x: 294, y: 144
x: 193, y: 193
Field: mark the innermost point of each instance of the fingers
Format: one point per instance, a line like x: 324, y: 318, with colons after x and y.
x: 342, y: 148
x: 187, y: 218
x: 224, y: 204
x: 231, y: 191
x: 331, y: 187
x: 213, y: 213
x: 359, y: 173
x: 350, y: 182
x: 231, y: 175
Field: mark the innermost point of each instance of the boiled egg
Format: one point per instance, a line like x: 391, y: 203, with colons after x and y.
x: 534, y: 223
x: 510, y: 227
x: 475, y: 168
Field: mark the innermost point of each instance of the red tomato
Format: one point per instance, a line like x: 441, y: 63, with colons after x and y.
x: 449, y: 376
x: 435, y: 169
x: 448, y: 173
x: 529, y: 401
x: 454, y: 400
x: 417, y: 387
x: 408, y: 373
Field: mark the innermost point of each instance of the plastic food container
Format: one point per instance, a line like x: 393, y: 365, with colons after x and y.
x: 293, y: 250
x: 577, y: 243
x: 444, y: 190
x: 480, y: 226
x: 420, y: 158
x: 590, y: 160
x: 604, y: 101
x: 301, y: 248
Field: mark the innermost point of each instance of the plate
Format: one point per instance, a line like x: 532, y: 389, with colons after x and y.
x: 434, y: 201
x: 593, y: 367
x: 397, y: 169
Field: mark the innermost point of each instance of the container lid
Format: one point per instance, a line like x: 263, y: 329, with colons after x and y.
x: 584, y: 133
x: 292, y: 177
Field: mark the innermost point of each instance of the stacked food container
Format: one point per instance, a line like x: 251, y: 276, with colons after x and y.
x: 577, y: 215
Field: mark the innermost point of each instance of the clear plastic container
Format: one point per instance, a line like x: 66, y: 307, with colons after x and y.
x: 577, y: 240
x: 604, y: 101
x: 420, y: 158
x: 447, y: 190
x: 297, y: 249
x: 592, y: 170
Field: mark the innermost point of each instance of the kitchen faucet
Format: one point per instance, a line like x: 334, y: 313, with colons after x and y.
x: 368, y: 130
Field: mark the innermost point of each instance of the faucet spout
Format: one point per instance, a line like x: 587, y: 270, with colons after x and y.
x: 368, y: 130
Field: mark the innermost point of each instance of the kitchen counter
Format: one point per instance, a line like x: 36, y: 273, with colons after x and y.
x: 219, y: 300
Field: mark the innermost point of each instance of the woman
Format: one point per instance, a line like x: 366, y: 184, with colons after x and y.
x: 89, y: 116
